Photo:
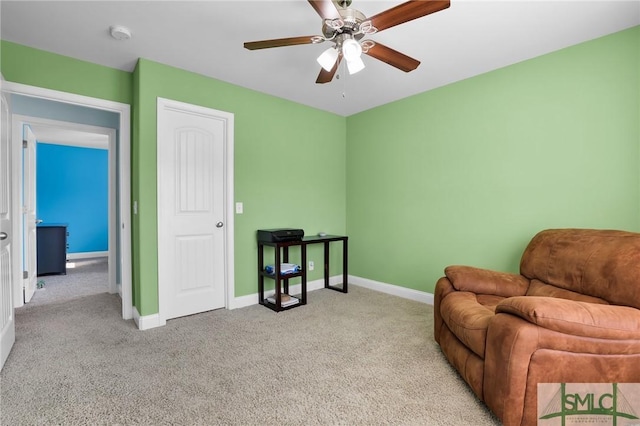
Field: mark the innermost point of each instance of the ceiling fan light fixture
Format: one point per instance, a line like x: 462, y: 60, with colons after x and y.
x: 351, y: 49
x: 345, y: 27
x: 335, y: 24
x: 367, y: 45
x: 355, y: 65
x: 367, y: 28
x: 328, y: 59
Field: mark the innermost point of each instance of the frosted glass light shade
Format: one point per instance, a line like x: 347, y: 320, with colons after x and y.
x: 355, y: 65
x: 328, y: 58
x: 351, y: 49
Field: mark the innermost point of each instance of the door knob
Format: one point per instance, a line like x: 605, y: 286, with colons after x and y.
x: 3, y: 236
x: 219, y: 225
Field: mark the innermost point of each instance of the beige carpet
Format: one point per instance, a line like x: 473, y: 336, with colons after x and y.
x: 84, y: 277
x: 364, y: 358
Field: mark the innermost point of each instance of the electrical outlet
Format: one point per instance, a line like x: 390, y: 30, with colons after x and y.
x: 311, y: 265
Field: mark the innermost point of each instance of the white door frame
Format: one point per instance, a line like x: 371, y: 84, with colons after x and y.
x: 28, y: 242
x: 7, y: 317
x: 228, y: 219
x: 18, y: 123
x: 124, y: 173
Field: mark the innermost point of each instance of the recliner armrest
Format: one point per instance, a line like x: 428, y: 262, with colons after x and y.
x: 575, y: 318
x: 485, y: 281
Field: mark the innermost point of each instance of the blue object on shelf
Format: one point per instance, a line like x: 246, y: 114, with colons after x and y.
x: 285, y: 268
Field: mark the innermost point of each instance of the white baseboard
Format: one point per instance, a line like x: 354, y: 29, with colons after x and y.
x: 252, y: 299
x: 148, y: 321
x: 405, y: 293
x: 152, y: 321
x: 87, y: 255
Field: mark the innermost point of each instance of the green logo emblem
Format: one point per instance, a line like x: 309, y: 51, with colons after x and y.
x: 589, y: 403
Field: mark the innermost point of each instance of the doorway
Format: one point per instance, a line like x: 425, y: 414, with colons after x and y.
x: 120, y: 220
x: 72, y: 184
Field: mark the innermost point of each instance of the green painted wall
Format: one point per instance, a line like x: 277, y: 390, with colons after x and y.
x: 22, y: 64
x: 468, y: 173
x: 266, y: 128
x: 289, y: 169
x: 26, y: 65
x: 463, y: 174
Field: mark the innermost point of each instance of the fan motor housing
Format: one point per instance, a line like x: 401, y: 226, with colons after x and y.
x: 351, y: 19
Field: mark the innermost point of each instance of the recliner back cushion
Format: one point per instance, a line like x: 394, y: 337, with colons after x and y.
x: 538, y: 288
x: 598, y: 263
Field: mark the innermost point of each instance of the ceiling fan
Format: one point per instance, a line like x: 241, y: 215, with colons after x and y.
x: 346, y: 27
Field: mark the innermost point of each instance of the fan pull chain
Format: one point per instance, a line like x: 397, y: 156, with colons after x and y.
x: 344, y: 80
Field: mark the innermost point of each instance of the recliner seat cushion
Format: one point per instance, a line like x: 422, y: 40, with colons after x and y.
x: 467, y: 315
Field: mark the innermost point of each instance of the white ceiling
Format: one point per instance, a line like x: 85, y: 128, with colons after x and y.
x: 206, y: 37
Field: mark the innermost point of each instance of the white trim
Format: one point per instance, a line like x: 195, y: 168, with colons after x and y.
x: 228, y: 220
x: 55, y: 136
x: 8, y: 329
x: 148, y: 321
x: 124, y: 227
x: 229, y: 198
x: 395, y: 290
x: 244, y: 301
x: 152, y: 321
x: 87, y: 255
x: 65, y: 125
x: 252, y: 299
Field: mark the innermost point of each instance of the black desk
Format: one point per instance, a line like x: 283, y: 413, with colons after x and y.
x: 282, y: 256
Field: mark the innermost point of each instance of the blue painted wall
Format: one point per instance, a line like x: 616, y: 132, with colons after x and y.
x: 72, y: 187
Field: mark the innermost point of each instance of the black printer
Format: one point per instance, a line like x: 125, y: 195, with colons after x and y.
x: 280, y: 235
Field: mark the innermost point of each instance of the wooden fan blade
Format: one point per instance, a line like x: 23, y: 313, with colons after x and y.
x: 325, y: 8
x: 278, y: 42
x: 326, y: 76
x: 393, y: 57
x: 406, y: 12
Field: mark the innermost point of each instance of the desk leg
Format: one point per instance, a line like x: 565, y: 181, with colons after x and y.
x: 345, y: 266
x: 285, y: 259
x: 260, y: 276
x: 303, y: 255
x: 277, y: 279
x: 326, y: 264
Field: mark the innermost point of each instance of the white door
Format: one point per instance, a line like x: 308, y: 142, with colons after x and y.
x: 7, y: 325
x: 191, y: 208
x: 29, y: 213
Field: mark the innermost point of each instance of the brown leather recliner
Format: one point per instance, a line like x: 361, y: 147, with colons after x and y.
x: 571, y: 316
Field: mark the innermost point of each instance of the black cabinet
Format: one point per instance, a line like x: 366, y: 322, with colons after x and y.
x: 52, y: 249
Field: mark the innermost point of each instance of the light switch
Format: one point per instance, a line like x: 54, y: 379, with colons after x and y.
x: 239, y: 208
